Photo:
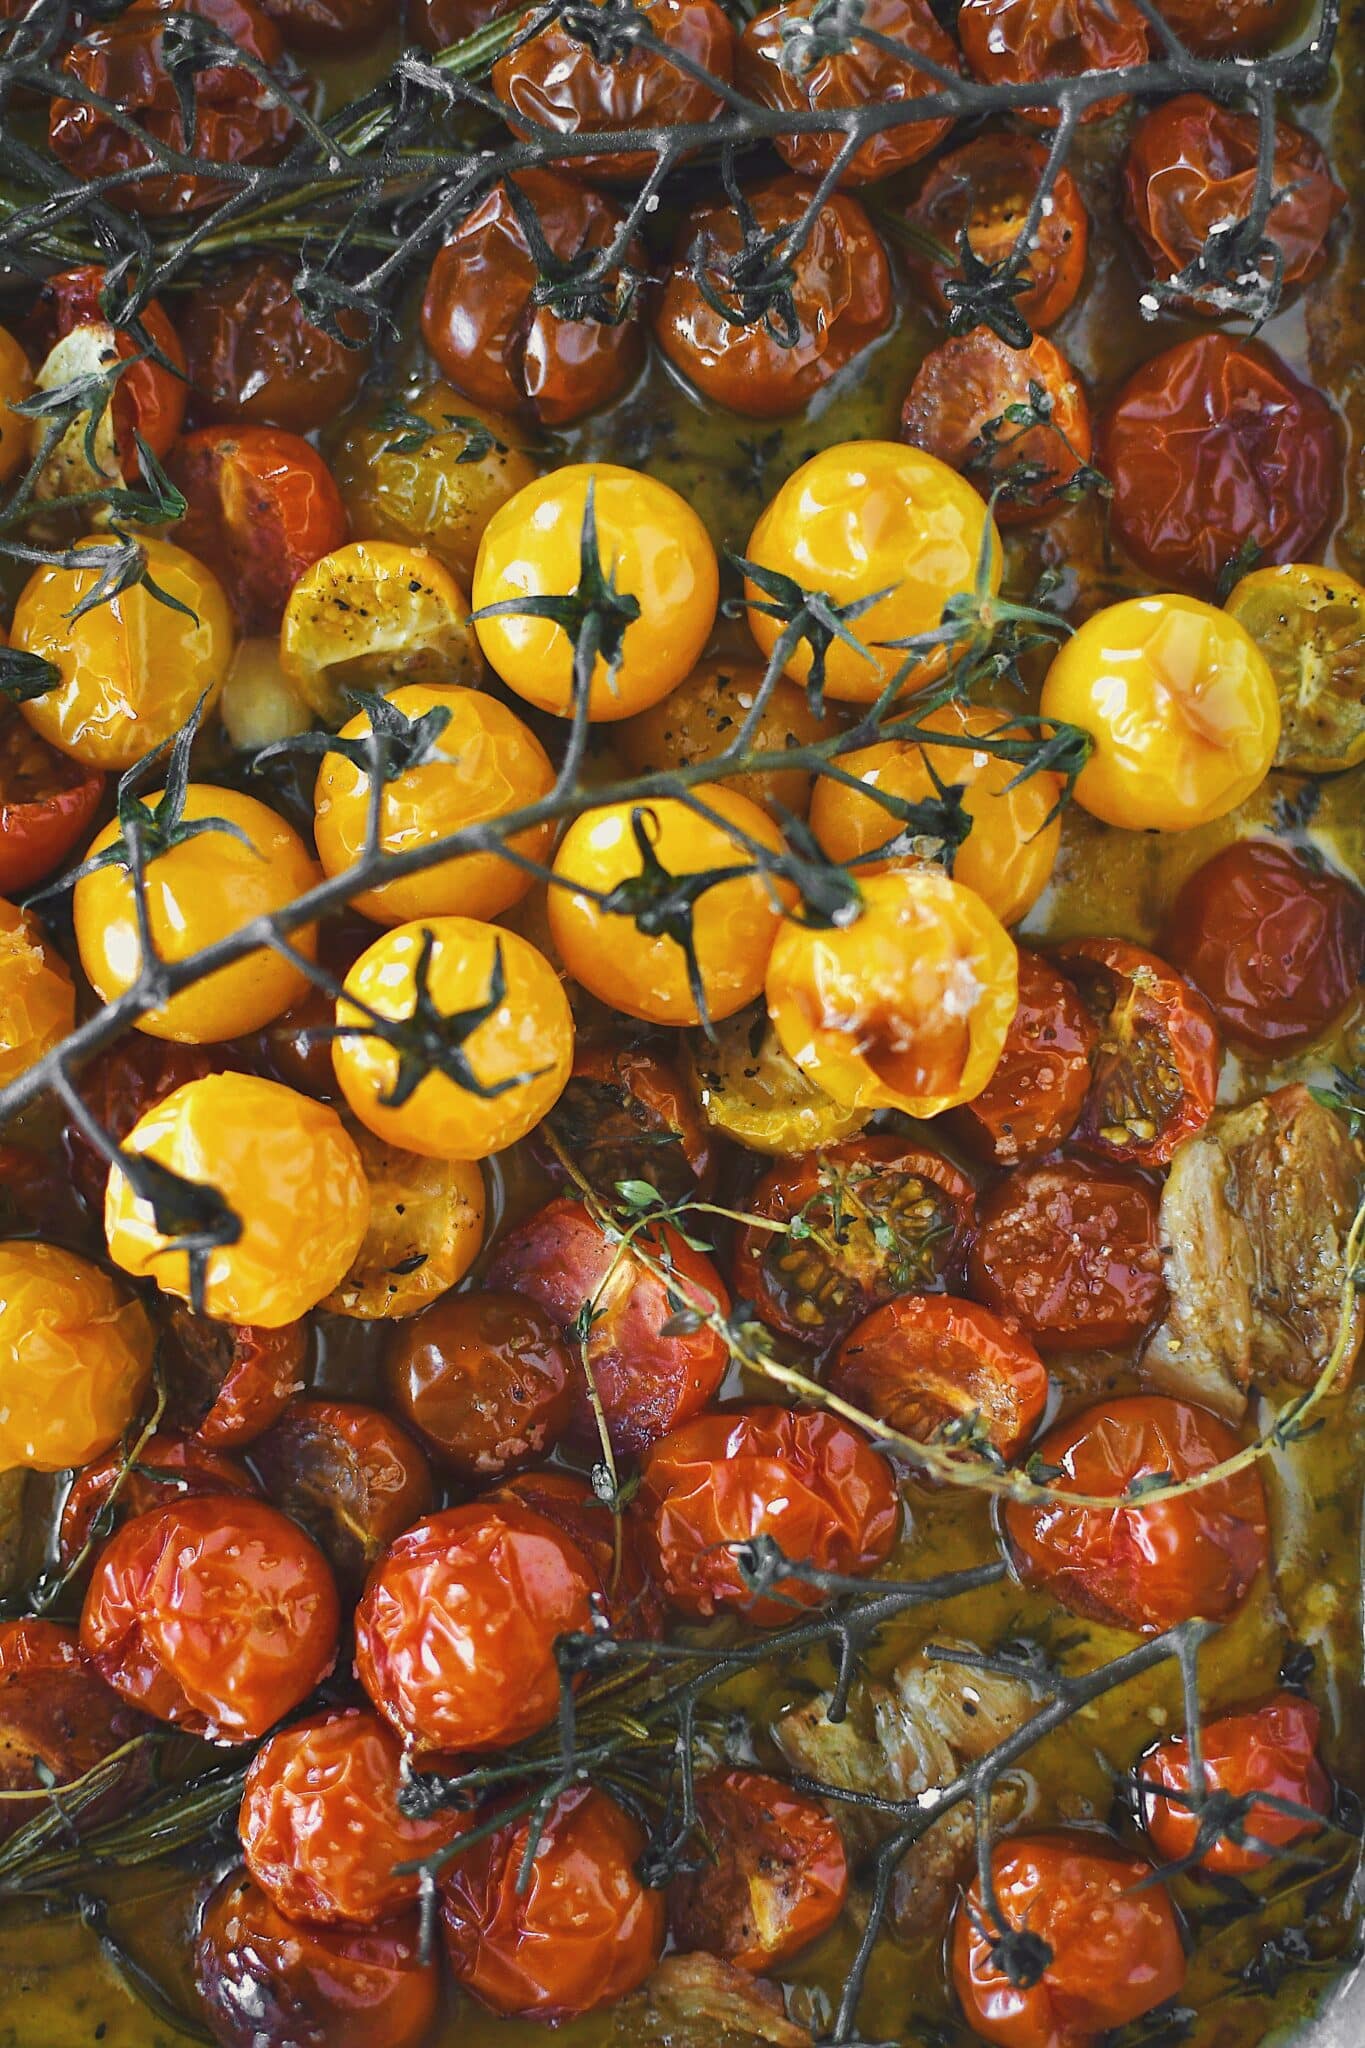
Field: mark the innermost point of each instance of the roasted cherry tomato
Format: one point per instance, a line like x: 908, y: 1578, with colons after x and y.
x: 74, y: 337
x: 118, y: 1086
x: 287, y: 1169
x: 425, y: 1232
x: 613, y: 940
x: 37, y: 998
x: 169, y: 1468
x: 330, y: 26
x: 321, y: 1827
x: 227, y: 1382
x: 485, y: 1381
x: 131, y: 669
x: 75, y: 1358
x: 862, y: 518
x: 35, y: 1193
x: 857, y: 1224
x: 199, y: 891
x: 1212, y: 27
x: 314, y: 1987
x: 1181, y: 706
x: 1014, y: 420
x: 626, y: 1114
x: 770, y: 1877
x: 648, y: 1377
x: 484, y: 322
x: 1155, y: 1063
x: 370, y: 616
x: 1139, y: 1566
x: 16, y: 382
x: 439, y: 23
x: 1275, y: 942
x: 455, y: 1634
x: 1114, y: 1943
x: 58, y: 1719
x: 262, y: 508
x: 704, y: 715
x: 807, y: 1481
x: 766, y: 347
x: 1033, y: 1100
x: 658, y: 553
x: 349, y: 1474
x: 1032, y: 42
x: 47, y: 804
x: 1309, y: 624
x: 1215, y: 447
x: 558, y: 79
x: 907, y: 1006
x: 933, y: 1367
x: 216, y: 1613
x: 984, y: 190
x: 1009, y: 852
x: 481, y: 764
x: 613, y: 1543
x: 1073, y: 1253
x: 573, y: 1930
x: 234, y: 121
x: 255, y: 356
x: 848, y: 69
x: 1271, y: 1748
x: 748, y: 1089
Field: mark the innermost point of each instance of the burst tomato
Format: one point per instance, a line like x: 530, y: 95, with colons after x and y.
x: 984, y: 190
x: 261, y: 508
x: 255, y: 356
x: 168, y: 1468
x: 1031, y: 42
x: 47, y: 804
x: 627, y: 1114
x: 770, y: 1877
x: 928, y: 1363
x: 74, y: 336
x: 1034, y: 1099
x: 349, y: 1475
x: 1073, y: 1252
x: 227, y: 1382
x: 1016, y: 421
x: 1154, y: 1070
x: 374, y: 615
x: 75, y: 1358
x: 1271, y: 1748
x: 484, y: 1379
x: 748, y: 1089
x: 57, y: 1721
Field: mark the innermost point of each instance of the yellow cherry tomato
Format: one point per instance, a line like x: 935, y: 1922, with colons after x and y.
x: 650, y: 545
x: 1015, y: 830
x: 1309, y: 623
x: 906, y: 1007
x: 37, y: 1000
x: 734, y: 923
x: 285, y: 1164
x: 370, y: 616
x: 16, y: 382
x: 1182, y: 707
x: 259, y: 704
x: 748, y: 1090
x: 199, y: 891
x: 859, y: 518
x: 426, y: 1228
x: 492, y: 764
x: 705, y: 714
x: 454, y: 1094
x: 75, y: 1358
x: 132, y: 669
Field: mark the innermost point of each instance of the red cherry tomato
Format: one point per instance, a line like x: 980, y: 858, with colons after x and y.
x: 866, y: 1220
x: 349, y: 1474
x: 804, y: 1478
x: 985, y: 189
x: 1115, y: 1943
x: 227, y: 1382
x: 35, y: 1196
x: 219, y: 1616
x: 118, y: 1087
x: 959, y: 408
x: 169, y: 1468
x: 327, y: 26
x: 148, y: 399
x: 47, y: 804
x: 261, y: 508
x: 439, y: 23
x: 1034, y: 1099
x: 771, y: 1874
x: 1214, y: 447
x: 255, y: 356
x: 928, y: 1362
x: 613, y: 1545
x: 1073, y: 1252
x: 1023, y: 42
x: 455, y: 1635
x: 1275, y: 943
x: 1144, y: 1567
x: 582, y: 1933
x: 58, y: 1719
x: 627, y: 1114
x: 647, y: 1381
x: 1237, y: 27
x: 1271, y: 1748
x: 484, y: 1380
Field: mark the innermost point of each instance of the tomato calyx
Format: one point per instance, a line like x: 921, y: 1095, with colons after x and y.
x: 394, y: 745
x: 25, y: 676
x: 586, y: 286
x: 758, y: 277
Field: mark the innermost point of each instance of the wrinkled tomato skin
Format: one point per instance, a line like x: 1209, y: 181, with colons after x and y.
x: 987, y: 187
x: 1276, y: 944
x: 228, y: 1382
x: 647, y: 1383
x: 327, y: 26
x: 217, y: 1618
x: 771, y: 1872
x: 35, y: 1197
x: 261, y: 508
x: 807, y: 1480
x: 1033, y: 1100
x: 793, y: 1282
x: 925, y: 1361
x: 1272, y: 1748
x: 1020, y: 42
x: 148, y: 399
x: 484, y: 1380
x: 957, y: 409
x: 583, y: 1933
x: 349, y: 1475
x: 264, y: 1978
x: 1214, y: 446
x: 1073, y: 1252
x: 47, y: 805
x: 632, y: 1598
x: 439, y: 23
x: 1154, y: 1070
x: 118, y: 1087
x: 1143, y: 1566
x: 188, y: 1470
x: 1212, y: 27
x: 628, y: 1114
x: 58, y: 1719
x: 254, y: 356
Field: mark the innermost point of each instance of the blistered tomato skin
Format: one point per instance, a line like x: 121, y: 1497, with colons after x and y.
x: 254, y: 355
x: 1271, y: 1748
x: 613, y: 1544
x: 925, y: 1361
x: 1023, y: 42
x: 1034, y: 1099
x: 75, y: 1357
x: 960, y: 406
x: 262, y: 508
x: 227, y: 1382
x: 348, y: 1474
x: 986, y: 188
x: 74, y: 334
x: 770, y: 1879
x: 485, y: 1381
x: 1073, y: 1253
x: 37, y: 998
x: 58, y: 1719
x: 627, y: 1114
x: 701, y: 718
x: 47, y: 805
x: 374, y: 615
x: 169, y: 1468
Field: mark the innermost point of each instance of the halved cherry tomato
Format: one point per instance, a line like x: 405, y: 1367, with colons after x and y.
x: 1034, y: 1099
x: 58, y: 1719
x: 169, y: 1468
x: 808, y: 1481
x: 484, y: 1379
x: 349, y: 1475
x: 1134, y: 1566
x: 425, y: 1232
x: 864, y: 1221
x: 1015, y: 421
x: 73, y: 336
x: 771, y: 1872
x: 626, y: 1114
x: 928, y: 1362
x: 749, y: 1088
x: 1271, y: 1748
x: 75, y: 1357
x: 702, y: 716
x: 1072, y: 1252
x: 217, y: 1614
x: 262, y: 508
x: 254, y: 355
x: 1275, y: 943
x: 1029, y: 42
x: 373, y: 615
x: 1154, y: 1070
x: 614, y: 1543
x: 47, y: 804
x: 985, y: 190
x: 1309, y: 623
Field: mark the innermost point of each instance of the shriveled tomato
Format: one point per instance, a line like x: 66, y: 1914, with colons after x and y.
x: 58, y: 1719
x: 1212, y: 447
x: 118, y: 1086
x: 37, y: 997
x: 1275, y: 942
x: 771, y: 1873
x: 1073, y: 1252
x: 1114, y: 1942
x: 439, y: 23
x: 484, y: 1379
x: 804, y: 1479
x: 934, y: 1366
x: 329, y: 26
x: 227, y: 1382
x: 170, y: 1467
x: 1213, y: 27
x: 649, y: 1376
x: 75, y: 1357
x: 1154, y: 1070
x: 1272, y: 1748
x: 614, y: 1543
x: 1034, y: 1099
x: 1016, y: 421
x: 262, y: 508
x: 1031, y: 42
x: 984, y: 190
x: 218, y: 1615
x: 1132, y: 1565
x: 760, y: 317
x: 627, y: 1114
x: 47, y: 804
x: 577, y: 1930
x: 255, y: 356
x: 858, y: 1223
x: 349, y: 1474
x: 73, y: 336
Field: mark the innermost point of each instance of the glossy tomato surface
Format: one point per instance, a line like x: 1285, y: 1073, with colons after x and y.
x: 485, y: 1380
x: 349, y: 1474
x: 1027, y: 42
x: 71, y: 332
x: 169, y: 1468
x: 770, y: 1876
x: 1154, y: 1069
x: 1073, y: 1251
x: 255, y: 357
x: 932, y: 1365
x: 261, y: 508
x: 1272, y: 1749
x: 986, y: 189
x: 1016, y: 421
x: 58, y: 1720
x: 1033, y: 1100
x: 47, y: 805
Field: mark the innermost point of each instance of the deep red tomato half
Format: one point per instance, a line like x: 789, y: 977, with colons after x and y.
x: 771, y: 1872
x: 1033, y: 1100
x: 929, y: 1365
x: 1272, y: 1749
x: 1014, y: 421
x: 47, y: 805
x: 261, y: 507
x: 149, y: 398
x: 58, y: 1719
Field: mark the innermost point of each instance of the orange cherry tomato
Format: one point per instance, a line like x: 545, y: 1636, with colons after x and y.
x: 58, y: 1719
x: 1271, y: 1748
x: 37, y: 998
x: 484, y: 1379
x: 771, y: 1872
x: 1033, y: 1100
x: 959, y: 408
x: 1073, y: 1253
x: 349, y: 1475
x: 614, y: 1544
x: 262, y: 508
x: 927, y: 1363
x: 16, y: 383
x: 75, y: 1357
x: 985, y: 190
x: 47, y: 805
x: 1024, y: 42
x: 227, y: 1382
x: 255, y: 356
x: 169, y: 1468
x: 74, y: 335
